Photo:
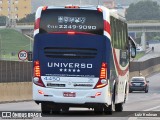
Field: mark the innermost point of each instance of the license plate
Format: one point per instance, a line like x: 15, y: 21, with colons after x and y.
x: 137, y: 84
x: 69, y: 94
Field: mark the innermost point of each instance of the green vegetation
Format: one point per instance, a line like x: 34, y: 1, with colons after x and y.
x: 11, y: 42
x: 3, y: 20
x: 139, y: 55
x: 28, y: 19
x: 143, y: 10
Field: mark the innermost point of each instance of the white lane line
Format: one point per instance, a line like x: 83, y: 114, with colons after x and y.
x: 153, y: 108
x: 145, y: 118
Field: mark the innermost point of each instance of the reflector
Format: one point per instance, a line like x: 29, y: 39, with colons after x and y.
x: 40, y: 92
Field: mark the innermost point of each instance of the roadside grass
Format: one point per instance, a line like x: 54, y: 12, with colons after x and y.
x: 139, y: 55
x: 11, y: 42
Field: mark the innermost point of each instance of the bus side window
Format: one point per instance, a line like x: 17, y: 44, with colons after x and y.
x: 123, y: 57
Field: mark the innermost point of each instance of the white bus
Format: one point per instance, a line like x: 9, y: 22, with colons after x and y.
x: 80, y: 59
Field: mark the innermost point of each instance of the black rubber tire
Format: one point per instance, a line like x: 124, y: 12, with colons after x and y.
x: 108, y: 110
x: 146, y: 91
x: 98, y: 109
x: 65, y: 109
x: 56, y: 109
x: 45, y: 108
x: 119, y: 107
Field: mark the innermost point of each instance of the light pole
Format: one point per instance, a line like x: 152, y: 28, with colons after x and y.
x: 12, y: 20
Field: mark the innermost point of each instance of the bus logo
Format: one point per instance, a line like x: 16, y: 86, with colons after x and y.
x: 66, y: 19
x: 70, y: 67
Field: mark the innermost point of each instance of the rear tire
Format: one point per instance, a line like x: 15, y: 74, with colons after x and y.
x: 108, y: 110
x: 56, y: 109
x: 119, y: 107
x: 45, y: 108
x: 98, y: 109
x: 146, y: 91
x: 65, y: 109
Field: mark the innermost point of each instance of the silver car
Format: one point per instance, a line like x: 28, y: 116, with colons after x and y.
x: 138, y: 84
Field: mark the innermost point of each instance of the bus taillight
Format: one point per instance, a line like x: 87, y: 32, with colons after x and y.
x: 37, y: 74
x: 103, y: 71
x: 37, y: 69
x: 103, y: 76
x: 36, y: 24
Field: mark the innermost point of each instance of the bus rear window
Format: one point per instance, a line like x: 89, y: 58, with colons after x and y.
x: 77, y: 20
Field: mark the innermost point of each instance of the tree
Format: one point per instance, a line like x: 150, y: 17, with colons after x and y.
x: 28, y: 19
x: 3, y: 20
x: 143, y: 10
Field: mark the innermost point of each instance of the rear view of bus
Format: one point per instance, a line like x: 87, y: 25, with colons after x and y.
x: 71, y: 59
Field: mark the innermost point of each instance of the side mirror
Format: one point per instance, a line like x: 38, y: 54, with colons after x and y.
x: 132, y: 45
x: 133, y: 52
x: 30, y: 56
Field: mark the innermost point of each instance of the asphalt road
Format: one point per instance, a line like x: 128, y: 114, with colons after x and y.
x: 155, y: 53
x: 138, y: 101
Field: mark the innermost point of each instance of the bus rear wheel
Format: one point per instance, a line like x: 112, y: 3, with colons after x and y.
x: 108, y: 110
x: 65, y: 109
x: 98, y: 109
x: 56, y: 109
x: 119, y: 107
x: 45, y: 108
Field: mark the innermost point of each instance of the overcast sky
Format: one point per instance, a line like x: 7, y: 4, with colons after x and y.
x: 36, y: 3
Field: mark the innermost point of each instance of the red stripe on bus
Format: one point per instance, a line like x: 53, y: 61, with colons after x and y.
x: 107, y: 27
x: 37, y: 24
x: 120, y: 71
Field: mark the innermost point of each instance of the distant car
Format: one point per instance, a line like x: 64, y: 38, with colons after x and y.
x: 139, y: 49
x: 138, y: 84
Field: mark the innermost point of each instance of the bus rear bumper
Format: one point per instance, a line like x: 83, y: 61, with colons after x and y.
x: 71, y: 96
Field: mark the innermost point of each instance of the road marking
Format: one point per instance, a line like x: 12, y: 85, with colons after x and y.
x: 150, y: 109
x: 142, y: 118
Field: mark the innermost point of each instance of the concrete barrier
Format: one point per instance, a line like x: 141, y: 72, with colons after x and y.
x: 146, y: 72
x: 15, y: 91
x: 16, y: 85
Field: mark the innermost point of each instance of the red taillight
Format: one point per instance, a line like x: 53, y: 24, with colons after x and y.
x: 103, y: 76
x: 145, y: 83
x: 37, y: 24
x: 45, y: 8
x: 71, y: 6
x: 130, y: 84
x: 103, y: 72
x: 99, y: 9
x: 37, y: 74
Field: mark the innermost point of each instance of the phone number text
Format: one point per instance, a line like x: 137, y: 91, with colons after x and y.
x: 82, y: 27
